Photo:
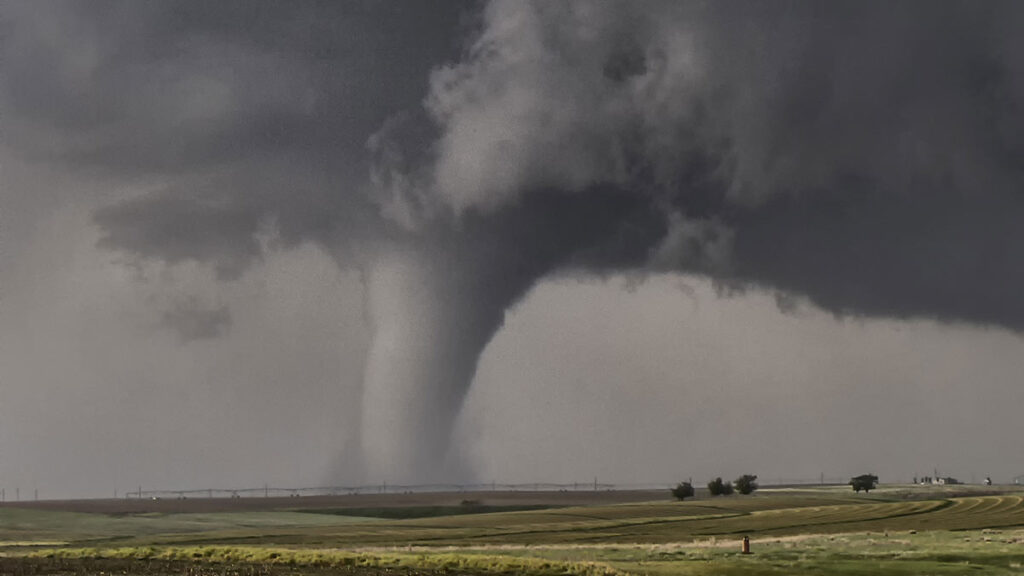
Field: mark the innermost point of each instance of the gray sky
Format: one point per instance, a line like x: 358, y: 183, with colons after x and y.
x: 320, y: 243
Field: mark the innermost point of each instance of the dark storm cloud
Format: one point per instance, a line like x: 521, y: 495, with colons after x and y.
x: 192, y: 320
x: 197, y: 97
x: 182, y: 227
x: 162, y: 85
x: 889, y: 180
x: 862, y: 154
x: 938, y: 252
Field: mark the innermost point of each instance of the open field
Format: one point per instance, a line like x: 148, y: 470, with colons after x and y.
x: 895, y: 530
x: 390, y: 500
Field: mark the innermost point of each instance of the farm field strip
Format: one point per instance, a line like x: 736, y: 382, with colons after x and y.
x: 835, y: 518
x: 936, y: 553
x: 768, y: 515
x: 798, y: 532
x: 983, y: 506
x: 635, y: 526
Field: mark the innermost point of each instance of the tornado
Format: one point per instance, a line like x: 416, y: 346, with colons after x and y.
x: 434, y: 305
x: 429, y: 326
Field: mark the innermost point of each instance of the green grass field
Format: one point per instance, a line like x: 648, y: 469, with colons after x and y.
x: 895, y: 530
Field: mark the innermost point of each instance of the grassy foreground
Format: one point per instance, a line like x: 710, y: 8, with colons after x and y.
x: 816, y: 531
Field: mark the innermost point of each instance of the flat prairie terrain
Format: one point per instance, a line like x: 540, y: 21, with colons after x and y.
x: 820, y: 530
x: 116, y: 506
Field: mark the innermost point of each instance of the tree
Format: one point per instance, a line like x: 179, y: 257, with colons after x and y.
x: 718, y: 488
x: 865, y: 482
x: 683, y: 491
x: 715, y: 487
x: 746, y: 484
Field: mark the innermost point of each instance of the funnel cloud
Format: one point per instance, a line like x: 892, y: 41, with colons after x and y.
x: 860, y: 156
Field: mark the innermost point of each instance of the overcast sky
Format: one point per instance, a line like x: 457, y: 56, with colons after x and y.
x: 343, y: 242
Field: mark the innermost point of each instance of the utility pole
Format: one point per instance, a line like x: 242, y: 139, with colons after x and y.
x: 595, y: 483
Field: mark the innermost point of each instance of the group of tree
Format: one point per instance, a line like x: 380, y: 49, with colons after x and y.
x: 719, y: 488
x: 683, y: 490
x: 745, y: 484
x: 865, y: 482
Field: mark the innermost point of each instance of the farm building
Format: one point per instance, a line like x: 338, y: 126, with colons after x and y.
x: 938, y: 480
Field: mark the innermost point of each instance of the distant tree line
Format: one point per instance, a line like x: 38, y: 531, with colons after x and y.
x: 745, y: 484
